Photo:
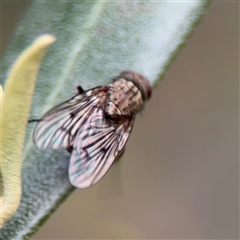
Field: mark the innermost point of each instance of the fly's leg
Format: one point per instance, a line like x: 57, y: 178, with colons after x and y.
x: 80, y: 89
x: 69, y: 149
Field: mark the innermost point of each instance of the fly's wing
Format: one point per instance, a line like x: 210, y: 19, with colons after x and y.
x: 59, y: 126
x: 95, y: 148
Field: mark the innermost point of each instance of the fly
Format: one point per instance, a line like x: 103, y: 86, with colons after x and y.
x: 94, y: 126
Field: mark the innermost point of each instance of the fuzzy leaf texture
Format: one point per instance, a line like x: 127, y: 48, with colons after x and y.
x: 95, y: 41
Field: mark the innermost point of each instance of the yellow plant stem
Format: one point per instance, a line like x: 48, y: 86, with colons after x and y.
x: 15, y: 107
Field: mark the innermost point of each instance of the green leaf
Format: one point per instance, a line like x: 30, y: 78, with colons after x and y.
x: 95, y: 41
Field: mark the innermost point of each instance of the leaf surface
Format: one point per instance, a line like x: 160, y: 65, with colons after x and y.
x: 95, y: 41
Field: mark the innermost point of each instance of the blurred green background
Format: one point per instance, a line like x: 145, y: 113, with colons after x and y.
x: 179, y: 177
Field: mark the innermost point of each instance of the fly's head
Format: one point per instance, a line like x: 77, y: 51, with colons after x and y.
x: 127, y: 94
x: 139, y: 81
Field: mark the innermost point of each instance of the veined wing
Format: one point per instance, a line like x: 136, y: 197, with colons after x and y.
x: 97, y: 144
x: 59, y: 126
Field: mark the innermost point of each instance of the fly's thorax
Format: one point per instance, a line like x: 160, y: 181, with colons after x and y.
x: 124, y: 99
